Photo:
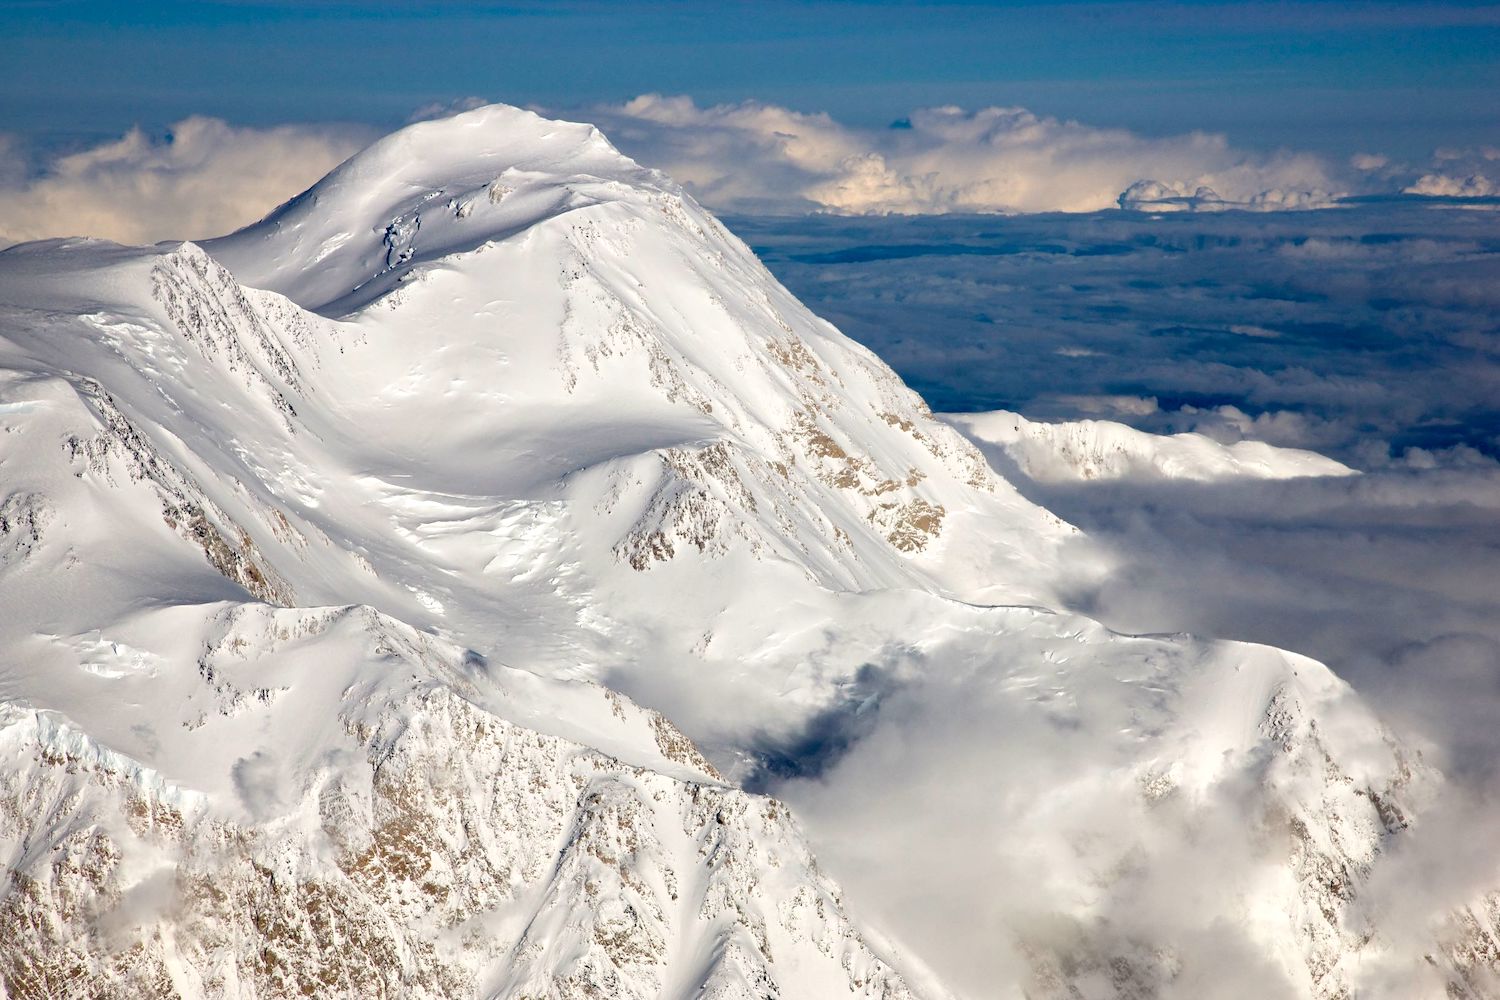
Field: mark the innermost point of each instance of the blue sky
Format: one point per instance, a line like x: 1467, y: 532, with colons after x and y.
x: 1399, y: 78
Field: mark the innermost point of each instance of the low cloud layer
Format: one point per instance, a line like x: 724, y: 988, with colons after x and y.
x: 757, y: 158
x: 203, y: 178
x: 1366, y: 332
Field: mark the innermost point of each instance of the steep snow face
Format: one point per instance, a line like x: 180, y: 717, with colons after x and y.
x: 1103, y: 449
x: 603, y: 327
x: 275, y: 513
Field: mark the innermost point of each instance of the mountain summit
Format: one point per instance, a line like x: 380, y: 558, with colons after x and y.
x: 355, y: 563
x: 434, y: 189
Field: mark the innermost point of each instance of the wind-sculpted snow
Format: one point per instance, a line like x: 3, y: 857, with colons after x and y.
x: 276, y: 513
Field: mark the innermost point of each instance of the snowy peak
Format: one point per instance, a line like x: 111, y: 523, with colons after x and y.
x: 601, y: 324
x: 431, y: 189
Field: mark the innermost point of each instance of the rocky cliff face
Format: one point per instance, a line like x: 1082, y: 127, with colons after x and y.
x: 433, y: 848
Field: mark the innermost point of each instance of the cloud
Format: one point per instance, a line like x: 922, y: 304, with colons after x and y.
x: 1460, y: 173
x: 1389, y: 578
x: 1473, y: 185
x: 1095, y: 405
x: 261, y: 783
x: 992, y: 772
x: 760, y: 157
x: 445, y: 109
x: 1386, y: 576
x: 204, y: 178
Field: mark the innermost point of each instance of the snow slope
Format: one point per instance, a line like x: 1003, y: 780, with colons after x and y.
x: 318, y: 542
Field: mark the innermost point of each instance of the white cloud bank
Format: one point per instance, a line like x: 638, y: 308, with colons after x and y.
x: 760, y: 157
x: 206, y: 178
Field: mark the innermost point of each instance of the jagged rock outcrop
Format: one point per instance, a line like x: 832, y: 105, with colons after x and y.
x: 431, y: 849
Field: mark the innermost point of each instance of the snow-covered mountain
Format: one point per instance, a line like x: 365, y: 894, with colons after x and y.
x: 340, y: 556
x: 1102, y: 449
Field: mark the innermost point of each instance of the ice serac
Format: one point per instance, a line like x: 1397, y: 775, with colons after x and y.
x: 339, y: 553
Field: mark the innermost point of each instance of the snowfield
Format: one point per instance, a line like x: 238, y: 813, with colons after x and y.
x: 354, y: 564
